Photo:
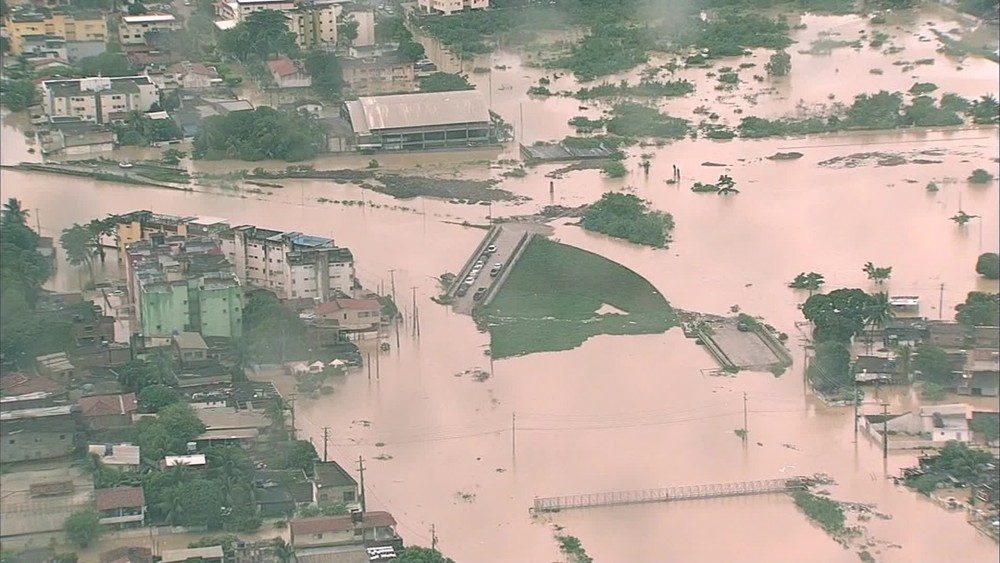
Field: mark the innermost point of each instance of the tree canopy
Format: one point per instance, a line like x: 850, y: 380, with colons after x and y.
x: 979, y: 309
x: 839, y: 315
x: 327, y: 75
x: 628, y: 217
x: 83, y: 527
x: 264, y: 133
x: 444, y: 82
x: 934, y: 365
x: 170, y: 431
x: 988, y: 265
x: 273, y: 332
x: 417, y: 554
x: 259, y: 36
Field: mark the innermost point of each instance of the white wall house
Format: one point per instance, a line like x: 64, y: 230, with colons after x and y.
x: 99, y: 99
x: 133, y: 29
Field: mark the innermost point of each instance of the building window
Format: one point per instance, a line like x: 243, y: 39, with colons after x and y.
x: 11, y: 441
x: 348, y: 496
x: 62, y: 436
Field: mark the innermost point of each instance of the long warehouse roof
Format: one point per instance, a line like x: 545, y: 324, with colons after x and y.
x: 372, y: 113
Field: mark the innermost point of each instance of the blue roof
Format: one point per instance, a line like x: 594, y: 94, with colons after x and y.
x: 310, y: 240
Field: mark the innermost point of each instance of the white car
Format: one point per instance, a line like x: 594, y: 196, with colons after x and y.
x: 470, y: 280
x: 491, y: 248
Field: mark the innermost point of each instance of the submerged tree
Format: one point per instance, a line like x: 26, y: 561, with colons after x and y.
x: 962, y: 218
x: 877, y: 274
x: 811, y: 281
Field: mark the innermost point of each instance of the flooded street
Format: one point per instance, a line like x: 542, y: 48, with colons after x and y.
x: 637, y: 411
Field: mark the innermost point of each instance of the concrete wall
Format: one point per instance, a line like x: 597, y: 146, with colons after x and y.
x: 163, y: 313
x: 29, y: 445
x: 221, y: 311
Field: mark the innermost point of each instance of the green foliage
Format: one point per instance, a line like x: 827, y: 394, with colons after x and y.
x: 170, y: 431
x: 645, y: 88
x: 734, y: 32
x: 18, y: 95
x: 140, y: 130
x: 347, y: 30
x: 172, y: 157
x: 573, y: 548
x: 825, y: 512
x: 614, y: 169
x: 957, y: 461
x: 551, y: 298
x: 877, y: 274
x: 985, y: 110
x: 780, y: 64
x: 83, y: 527
x: 327, y: 75
x: 301, y: 455
x: 155, y: 397
x: 923, y: 113
x: 106, y: 64
x: 263, y: 133
x: 259, y: 36
x: 986, y: 426
x: 988, y: 265
x: 444, y: 82
x: 919, y: 88
x: 933, y: 365
x: 583, y: 122
x: 416, y: 554
x: 411, y: 51
x: 627, y: 217
x: 980, y: 176
x: 607, y: 49
x: 979, y: 309
x: 830, y: 369
x: 811, y: 281
x: 838, y: 316
x: 635, y: 120
x: 985, y: 9
x: 273, y: 333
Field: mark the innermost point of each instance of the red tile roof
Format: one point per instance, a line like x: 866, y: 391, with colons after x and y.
x: 344, y: 304
x: 341, y: 523
x: 282, y: 67
x: 119, y: 497
x: 103, y: 405
x: 17, y: 383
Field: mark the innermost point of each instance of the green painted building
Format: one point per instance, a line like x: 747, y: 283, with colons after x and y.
x: 211, y: 305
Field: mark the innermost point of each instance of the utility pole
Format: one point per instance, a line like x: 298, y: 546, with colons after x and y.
x: 369, y: 362
x: 434, y: 539
x: 378, y: 365
x: 326, y: 443
x: 745, y: 416
x: 416, y: 318
x: 885, y: 431
x: 521, y: 111
x: 855, y: 409
x: 941, y: 303
x: 513, y: 436
x: 361, y: 470
x: 38, y: 226
x: 392, y: 282
x: 291, y: 406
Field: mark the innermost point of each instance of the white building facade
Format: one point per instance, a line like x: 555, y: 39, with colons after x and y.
x: 133, y: 29
x: 448, y: 7
x: 99, y: 99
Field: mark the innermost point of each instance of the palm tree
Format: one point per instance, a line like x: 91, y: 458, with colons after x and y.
x: 727, y: 190
x: 75, y: 241
x: 283, y: 551
x: 100, y: 228
x: 239, y: 357
x: 905, y: 356
x: 173, y: 506
x: 14, y: 213
x: 877, y: 314
x: 877, y: 274
x: 962, y: 218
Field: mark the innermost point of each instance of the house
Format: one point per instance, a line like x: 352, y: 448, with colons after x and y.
x: 905, y: 332
x: 39, y: 433
x: 229, y: 419
x: 127, y: 554
x: 194, y: 76
x: 378, y: 528
x: 67, y: 24
x: 242, y: 438
x: 874, y: 369
x: 21, y: 391
x: 379, y: 73
x: 274, y: 502
x: 981, y: 376
x: 294, y: 481
x: 139, y: 30
x: 195, y: 460
x: 56, y: 366
x: 930, y: 427
x: 122, y: 457
x: 105, y: 412
x: 121, y: 506
x: 947, y: 422
x: 189, y: 348
x: 333, y: 485
x: 952, y: 335
x: 287, y: 74
x: 98, y: 99
x: 352, y: 315
x: 75, y: 139
x: 211, y: 554
x: 449, y: 7
x: 904, y: 306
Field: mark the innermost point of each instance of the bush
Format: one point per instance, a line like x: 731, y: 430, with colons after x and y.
x: 980, y: 176
x: 83, y: 527
x: 628, y: 217
x: 780, y: 64
x: 988, y: 265
x: 614, y: 170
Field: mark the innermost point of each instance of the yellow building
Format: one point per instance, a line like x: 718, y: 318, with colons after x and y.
x: 75, y: 26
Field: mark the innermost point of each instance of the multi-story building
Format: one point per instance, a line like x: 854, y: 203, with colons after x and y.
x: 183, y: 284
x: 449, y: 7
x: 368, y: 71
x: 141, y: 225
x: 99, y: 99
x: 314, y: 23
x: 292, y: 265
x: 134, y: 30
x: 76, y: 26
x: 239, y: 9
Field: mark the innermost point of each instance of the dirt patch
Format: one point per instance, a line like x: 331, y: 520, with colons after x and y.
x: 785, y: 156
x: 583, y: 165
x: 882, y: 159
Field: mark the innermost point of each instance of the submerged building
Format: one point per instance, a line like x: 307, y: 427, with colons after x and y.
x: 420, y: 121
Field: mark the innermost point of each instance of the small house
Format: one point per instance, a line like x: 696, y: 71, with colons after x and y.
x: 981, y: 376
x: 274, y: 502
x: 121, y: 457
x: 211, y: 554
x: 39, y: 433
x: 121, y: 506
x: 333, y: 485
x: 352, y: 315
x: 874, y: 369
x: 57, y: 366
x: 127, y: 554
x: 905, y: 332
x: 294, y: 480
x: 105, y: 412
x: 354, y: 529
x: 194, y: 460
x: 189, y: 348
x: 287, y: 74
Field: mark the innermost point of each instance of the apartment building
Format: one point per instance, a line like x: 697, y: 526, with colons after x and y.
x: 183, y: 284
x: 98, y: 99
x: 134, y: 30
x: 448, y: 7
x: 76, y: 26
x: 291, y: 265
x: 369, y: 71
x: 314, y: 23
x: 239, y: 9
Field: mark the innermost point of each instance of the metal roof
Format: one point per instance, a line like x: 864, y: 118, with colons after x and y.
x: 373, y: 113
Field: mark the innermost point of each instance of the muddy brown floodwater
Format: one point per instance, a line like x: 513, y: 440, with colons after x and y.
x: 632, y: 412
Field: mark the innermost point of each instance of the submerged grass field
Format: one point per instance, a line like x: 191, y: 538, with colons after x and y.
x: 551, y: 299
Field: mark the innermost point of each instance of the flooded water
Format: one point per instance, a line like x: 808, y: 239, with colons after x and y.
x: 632, y: 412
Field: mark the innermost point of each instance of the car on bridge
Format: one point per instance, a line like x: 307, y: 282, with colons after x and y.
x: 462, y: 290
x: 495, y: 270
x: 479, y: 294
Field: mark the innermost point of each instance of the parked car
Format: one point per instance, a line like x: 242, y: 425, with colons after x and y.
x: 470, y: 280
x: 462, y: 290
x: 491, y: 249
x: 479, y: 294
x: 495, y: 270
x: 479, y: 265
